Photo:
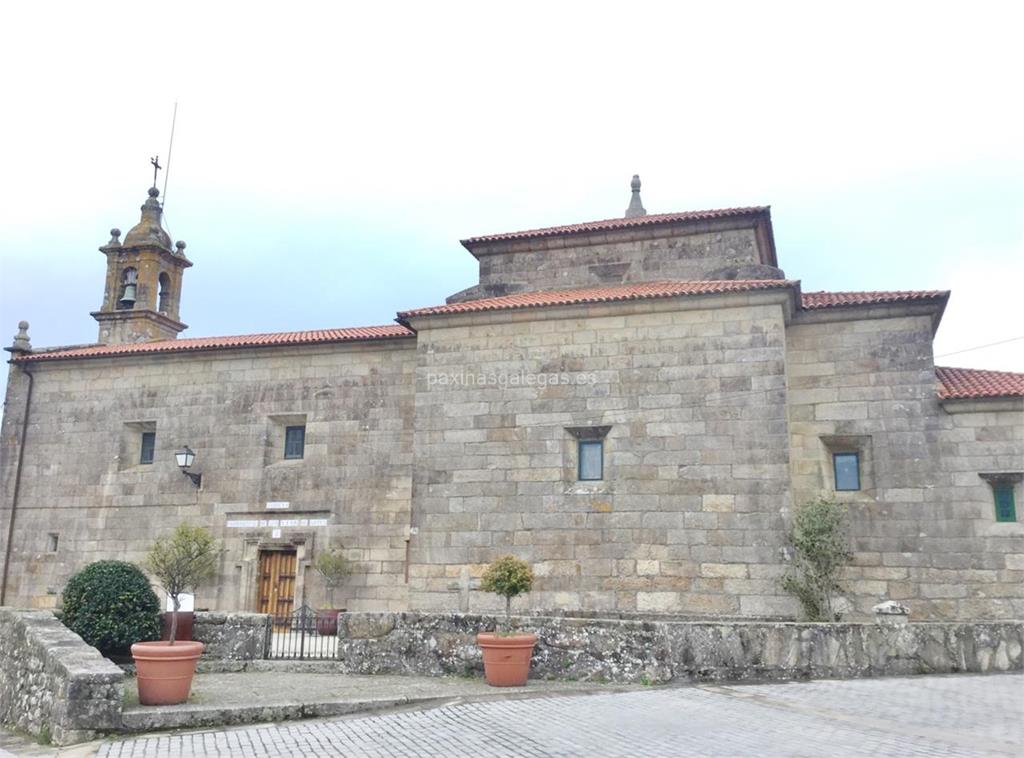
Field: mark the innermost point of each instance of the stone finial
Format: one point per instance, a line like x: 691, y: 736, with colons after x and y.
x: 149, y: 230
x: 115, y: 237
x: 636, y: 208
x: 21, y: 341
x: 179, y: 248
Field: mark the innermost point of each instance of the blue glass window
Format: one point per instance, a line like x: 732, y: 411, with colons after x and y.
x: 294, y: 441
x: 847, y: 471
x: 591, y: 455
x: 148, y: 446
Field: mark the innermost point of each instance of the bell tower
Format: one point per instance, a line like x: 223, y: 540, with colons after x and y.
x: 143, y: 285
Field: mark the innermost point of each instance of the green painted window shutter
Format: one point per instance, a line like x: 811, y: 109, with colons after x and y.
x: 1005, y: 507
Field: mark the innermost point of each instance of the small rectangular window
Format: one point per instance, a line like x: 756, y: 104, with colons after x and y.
x: 591, y: 455
x: 52, y: 539
x: 148, y: 445
x: 847, y: 471
x: 294, y: 441
x: 1006, y: 508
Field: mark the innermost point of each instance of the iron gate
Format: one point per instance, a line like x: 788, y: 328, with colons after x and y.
x: 303, y: 634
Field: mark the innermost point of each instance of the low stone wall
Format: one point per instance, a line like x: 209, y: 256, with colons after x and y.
x: 232, y: 636
x: 666, y: 651
x: 52, y: 684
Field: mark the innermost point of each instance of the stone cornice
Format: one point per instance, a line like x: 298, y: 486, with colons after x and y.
x: 983, y: 405
x: 166, y: 255
x: 143, y: 314
x: 786, y: 297
x: 933, y: 308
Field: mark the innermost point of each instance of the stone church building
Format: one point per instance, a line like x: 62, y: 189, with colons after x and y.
x: 632, y: 405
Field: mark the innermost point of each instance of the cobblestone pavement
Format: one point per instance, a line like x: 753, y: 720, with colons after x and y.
x: 922, y: 716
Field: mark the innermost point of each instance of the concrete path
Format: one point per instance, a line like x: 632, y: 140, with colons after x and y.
x: 922, y: 716
x: 220, y: 699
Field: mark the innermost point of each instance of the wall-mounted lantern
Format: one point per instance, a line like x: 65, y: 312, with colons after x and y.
x: 185, y: 457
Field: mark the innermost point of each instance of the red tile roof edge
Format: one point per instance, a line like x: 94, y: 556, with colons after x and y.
x: 609, y: 294
x: 198, y: 344
x: 550, y: 298
x: 648, y: 290
x: 812, y: 301
x: 610, y: 224
x: 973, y: 383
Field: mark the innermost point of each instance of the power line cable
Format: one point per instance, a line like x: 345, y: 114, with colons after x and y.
x: 980, y: 347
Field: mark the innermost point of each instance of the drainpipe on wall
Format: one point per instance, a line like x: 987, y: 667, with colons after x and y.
x: 17, y: 485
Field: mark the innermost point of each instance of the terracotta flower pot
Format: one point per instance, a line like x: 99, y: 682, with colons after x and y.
x: 164, y: 671
x: 506, y: 658
x: 327, y: 621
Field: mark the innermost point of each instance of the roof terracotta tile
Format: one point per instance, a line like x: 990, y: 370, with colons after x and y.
x: 617, y: 223
x: 967, y: 383
x: 273, y: 339
x: 811, y: 301
x: 644, y: 291
x: 617, y: 293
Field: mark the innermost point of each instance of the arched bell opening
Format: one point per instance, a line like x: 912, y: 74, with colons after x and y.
x: 129, y: 285
x: 165, y: 293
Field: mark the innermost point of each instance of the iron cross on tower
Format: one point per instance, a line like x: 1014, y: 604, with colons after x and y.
x: 156, y: 167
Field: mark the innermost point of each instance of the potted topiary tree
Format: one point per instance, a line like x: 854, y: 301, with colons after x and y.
x: 180, y: 563
x: 507, y: 654
x: 334, y: 568
x: 111, y: 606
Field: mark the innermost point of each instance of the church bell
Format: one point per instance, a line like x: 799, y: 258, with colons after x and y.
x: 128, y: 298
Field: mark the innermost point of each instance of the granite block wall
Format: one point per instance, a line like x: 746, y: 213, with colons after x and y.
x: 52, y: 684
x: 429, y: 457
x: 724, y: 249
x: 233, y: 636
x: 688, y: 517
x: 82, y: 481
x: 666, y: 650
x: 923, y: 525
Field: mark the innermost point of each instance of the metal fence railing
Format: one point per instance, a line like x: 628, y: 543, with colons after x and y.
x: 303, y: 634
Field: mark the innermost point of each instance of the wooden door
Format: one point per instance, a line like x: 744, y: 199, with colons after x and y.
x: 277, y: 583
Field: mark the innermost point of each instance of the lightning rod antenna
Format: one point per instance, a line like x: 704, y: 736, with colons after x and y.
x: 167, y: 170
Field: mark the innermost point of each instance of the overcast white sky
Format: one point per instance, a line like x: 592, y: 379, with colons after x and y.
x: 328, y: 157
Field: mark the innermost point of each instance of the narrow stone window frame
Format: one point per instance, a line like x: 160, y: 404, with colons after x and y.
x: 590, y: 470
x: 52, y: 542
x: 147, y: 447
x: 275, y: 439
x: 294, y: 442
x: 1005, y: 488
x: 845, y: 478
x: 586, y: 438
x: 841, y: 445
x: 130, y: 453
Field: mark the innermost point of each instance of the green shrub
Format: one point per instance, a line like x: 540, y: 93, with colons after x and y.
x: 821, y: 550
x: 508, y: 577
x: 110, y: 605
